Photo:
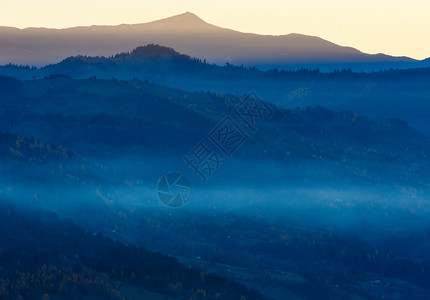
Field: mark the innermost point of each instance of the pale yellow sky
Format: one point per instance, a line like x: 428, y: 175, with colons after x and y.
x: 393, y: 27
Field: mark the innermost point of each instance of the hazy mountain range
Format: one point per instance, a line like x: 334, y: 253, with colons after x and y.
x: 389, y: 94
x: 189, y: 34
x: 326, y: 198
x: 111, y: 118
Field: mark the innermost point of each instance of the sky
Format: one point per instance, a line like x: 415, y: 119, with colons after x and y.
x: 399, y: 28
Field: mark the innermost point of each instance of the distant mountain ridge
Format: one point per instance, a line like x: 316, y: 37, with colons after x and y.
x: 189, y: 34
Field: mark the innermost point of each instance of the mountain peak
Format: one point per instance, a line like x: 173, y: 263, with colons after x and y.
x: 188, y: 16
x: 185, y: 21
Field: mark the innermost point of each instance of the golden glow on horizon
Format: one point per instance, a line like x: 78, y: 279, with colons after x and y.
x: 400, y: 28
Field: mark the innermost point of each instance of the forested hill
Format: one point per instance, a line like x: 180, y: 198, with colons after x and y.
x: 144, y: 62
x: 44, y: 255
